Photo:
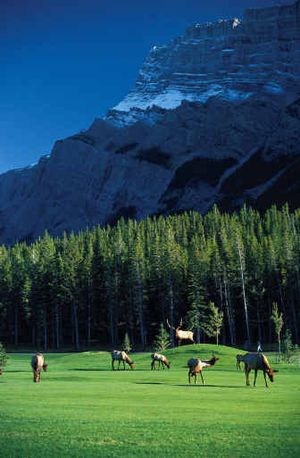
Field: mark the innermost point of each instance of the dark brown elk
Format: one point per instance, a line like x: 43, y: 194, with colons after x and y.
x: 196, y: 366
x: 121, y: 356
x: 1, y: 371
x: 256, y: 361
x: 180, y: 335
x: 161, y: 359
x: 38, y: 364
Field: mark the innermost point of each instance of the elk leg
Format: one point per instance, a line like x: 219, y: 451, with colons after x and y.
x: 265, y: 379
x: 189, y: 377
x: 255, y: 377
x: 112, y: 364
x: 247, y: 375
x: 203, y: 381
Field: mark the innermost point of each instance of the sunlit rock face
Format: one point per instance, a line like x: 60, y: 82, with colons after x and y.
x: 214, y: 118
x: 232, y: 58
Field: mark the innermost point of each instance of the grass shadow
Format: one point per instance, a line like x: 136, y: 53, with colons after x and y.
x: 12, y: 371
x: 87, y: 370
x: 212, y: 386
x: 150, y: 383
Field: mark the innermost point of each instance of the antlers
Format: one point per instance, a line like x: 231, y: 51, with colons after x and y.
x: 172, y: 327
x: 168, y: 324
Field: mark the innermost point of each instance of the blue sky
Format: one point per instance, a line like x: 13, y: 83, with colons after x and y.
x: 65, y: 62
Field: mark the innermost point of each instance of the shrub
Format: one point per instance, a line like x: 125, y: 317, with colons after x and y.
x: 3, y: 356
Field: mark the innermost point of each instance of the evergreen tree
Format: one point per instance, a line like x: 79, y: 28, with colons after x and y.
x: 214, y: 323
x: 162, y: 340
x: 3, y: 356
x: 197, y: 275
x: 127, y: 344
x: 277, y: 319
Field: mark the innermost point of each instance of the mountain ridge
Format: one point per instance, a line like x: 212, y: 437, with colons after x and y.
x: 223, y: 149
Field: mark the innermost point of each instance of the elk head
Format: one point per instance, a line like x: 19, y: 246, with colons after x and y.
x: 271, y: 373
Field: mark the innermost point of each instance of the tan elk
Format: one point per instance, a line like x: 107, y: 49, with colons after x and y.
x: 196, y: 366
x: 161, y: 359
x: 38, y: 364
x: 181, y: 335
x: 121, y: 356
x: 256, y: 361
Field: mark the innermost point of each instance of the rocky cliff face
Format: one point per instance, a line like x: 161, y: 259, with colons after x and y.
x: 233, y: 59
x: 214, y: 118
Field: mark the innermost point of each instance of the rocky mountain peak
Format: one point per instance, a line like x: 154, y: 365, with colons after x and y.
x: 213, y: 118
x: 233, y: 59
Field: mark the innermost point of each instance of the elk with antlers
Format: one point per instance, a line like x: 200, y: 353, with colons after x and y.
x: 182, y: 335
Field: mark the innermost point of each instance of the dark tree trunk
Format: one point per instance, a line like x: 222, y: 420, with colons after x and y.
x: 76, y: 326
x: 16, y: 326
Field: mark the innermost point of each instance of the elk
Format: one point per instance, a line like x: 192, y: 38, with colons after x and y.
x: 196, y: 366
x: 120, y: 356
x: 256, y: 361
x: 1, y: 371
x: 161, y: 359
x: 181, y: 335
x: 38, y: 364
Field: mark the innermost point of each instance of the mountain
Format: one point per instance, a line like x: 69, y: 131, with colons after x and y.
x: 214, y: 117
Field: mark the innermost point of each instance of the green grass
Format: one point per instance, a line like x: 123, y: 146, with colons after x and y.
x: 83, y: 409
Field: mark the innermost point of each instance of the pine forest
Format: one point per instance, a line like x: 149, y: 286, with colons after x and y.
x: 94, y: 287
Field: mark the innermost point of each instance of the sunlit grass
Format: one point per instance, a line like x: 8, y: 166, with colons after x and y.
x: 83, y: 409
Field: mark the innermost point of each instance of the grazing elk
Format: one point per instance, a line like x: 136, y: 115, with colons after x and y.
x: 120, y: 356
x: 38, y: 364
x: 256, y: 361
x: 196, y: 366
x: 161, y: 359
x: 181, y: 335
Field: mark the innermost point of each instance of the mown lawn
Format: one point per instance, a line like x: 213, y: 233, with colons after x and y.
x: 83, y: 409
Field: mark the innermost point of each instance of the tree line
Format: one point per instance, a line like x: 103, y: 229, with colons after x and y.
x: 93, y: 287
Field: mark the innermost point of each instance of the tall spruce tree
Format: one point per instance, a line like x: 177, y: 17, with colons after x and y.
x: 162, y: 339
x: 277, y: 319
x: 214, y: 322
